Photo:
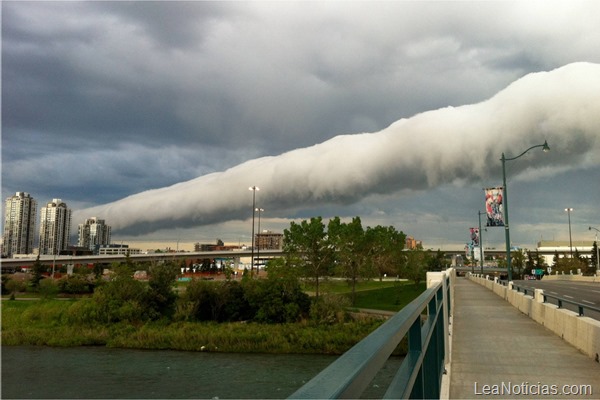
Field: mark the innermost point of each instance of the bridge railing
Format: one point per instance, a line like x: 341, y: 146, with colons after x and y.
x: 529, y: 291
x: 425, y: 322
x: 560, y: 301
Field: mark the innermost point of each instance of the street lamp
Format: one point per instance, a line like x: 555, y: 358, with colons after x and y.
x: 597, y: 255
x: 258, y: 244
x: 546, y: 148
x: 254, y: 189
x: 568, y: 210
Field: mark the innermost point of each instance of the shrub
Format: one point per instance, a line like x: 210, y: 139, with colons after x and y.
x: 83, y: 311
x: 13, y: 285
x: 161, y: 298
x: 121, y: 299
x: 48, y: 288
x: 214, y: 301
x: 277, y: 299
x: 75, y: 284
x: 329, y: 309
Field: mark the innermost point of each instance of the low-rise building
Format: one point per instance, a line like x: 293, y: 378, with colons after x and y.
x: 548, y: 249
x: 116, y: 249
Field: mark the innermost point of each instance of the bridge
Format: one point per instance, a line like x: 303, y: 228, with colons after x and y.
x: 12, y: 263
x: 473, y: 337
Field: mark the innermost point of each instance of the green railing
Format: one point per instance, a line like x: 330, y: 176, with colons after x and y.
x: 424, y: 321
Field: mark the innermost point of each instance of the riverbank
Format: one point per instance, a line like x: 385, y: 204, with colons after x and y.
x: 50, y: 323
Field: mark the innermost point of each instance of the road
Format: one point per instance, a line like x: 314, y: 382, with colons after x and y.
x: 586, y: 293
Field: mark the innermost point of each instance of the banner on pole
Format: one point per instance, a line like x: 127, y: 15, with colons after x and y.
x: 474, y: 236
x: 494, y: 206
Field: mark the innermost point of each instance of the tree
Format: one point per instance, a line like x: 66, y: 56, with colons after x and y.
x: 277, y: 299
x: 307, y: 246
x: 594, y: 259
x: 517, y: 262
x: 37, y: 270
x: 122, y: 298
x: 555, y: 259
x: 385, y: 249
x: 414, y: 269
x: 351, y: 250
x: 437, y: 262
x: 567, y: 265
x: 161, y: 296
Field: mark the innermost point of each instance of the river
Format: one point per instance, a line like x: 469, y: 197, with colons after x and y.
x: 100, y: 372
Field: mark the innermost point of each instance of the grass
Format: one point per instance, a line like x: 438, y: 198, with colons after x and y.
x: 374, y: 294
x: 48, y: 323
x: 338, y: 286
x: 53, y: 322
x: 392, y: 298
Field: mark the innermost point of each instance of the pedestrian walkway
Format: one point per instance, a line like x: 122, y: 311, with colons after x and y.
x: 499, y: 352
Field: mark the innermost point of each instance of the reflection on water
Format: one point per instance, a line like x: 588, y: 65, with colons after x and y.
x: 99, y: 372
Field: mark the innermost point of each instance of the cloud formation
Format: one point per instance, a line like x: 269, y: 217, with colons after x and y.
x: 105, y: 99
x: 433, y: 148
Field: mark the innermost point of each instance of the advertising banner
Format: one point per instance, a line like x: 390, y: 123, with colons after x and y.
x: 474, y: 236
x: 494, y: 206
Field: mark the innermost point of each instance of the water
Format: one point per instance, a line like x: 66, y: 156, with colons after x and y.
x: 99, y: 372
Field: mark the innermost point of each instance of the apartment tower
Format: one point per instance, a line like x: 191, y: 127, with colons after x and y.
x: 55, y: 227
x: 93, y: 233
x: 19, y: 224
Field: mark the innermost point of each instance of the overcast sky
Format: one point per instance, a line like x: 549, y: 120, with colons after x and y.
x: 397, y: 112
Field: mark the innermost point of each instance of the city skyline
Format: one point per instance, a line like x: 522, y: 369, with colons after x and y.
x: 106, y: 100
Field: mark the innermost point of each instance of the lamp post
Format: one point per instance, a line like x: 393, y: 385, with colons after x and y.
x: 546, y: 148
x: 479, y: 213
x: 597, y: 255
x: 568, y: 210
x: 258, y: 244
x: 254, y: 189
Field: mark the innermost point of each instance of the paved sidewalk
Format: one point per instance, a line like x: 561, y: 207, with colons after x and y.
x: 496, y: 345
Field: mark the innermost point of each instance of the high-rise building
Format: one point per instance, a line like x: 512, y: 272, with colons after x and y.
x: 19, y: 224
x: 93, y: 233
x: 55, y: 227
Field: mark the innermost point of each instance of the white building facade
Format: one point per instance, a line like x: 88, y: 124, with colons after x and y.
x: 19, y: 224
x: 549, y: 249
x: 55, y: 227
x: 93, y: 233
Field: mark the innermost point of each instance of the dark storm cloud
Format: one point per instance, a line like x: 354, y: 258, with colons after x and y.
x: 131, y: 96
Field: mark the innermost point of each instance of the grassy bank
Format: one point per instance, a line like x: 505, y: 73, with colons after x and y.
x: 54, y: 322
x: 47, y: 322
x: 385, y: 295
x: 389, y: 297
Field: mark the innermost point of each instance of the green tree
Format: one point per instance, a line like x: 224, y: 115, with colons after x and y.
x: 593, y: 259
x: 517, y: 263
x: 555, y: 259
x: 385, y: 249
x: 351, y: 250
x: 437, y: 262
x: 414, y: 269
x: 277, y: 299
x: 307, y: 246
x: 567, y: 265
x: 122, y: 298
x: 161, y: 296
x: 37, y: 271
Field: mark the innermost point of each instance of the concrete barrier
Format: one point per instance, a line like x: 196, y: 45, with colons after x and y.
x: 581, y: 332
x: 575, y: 278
